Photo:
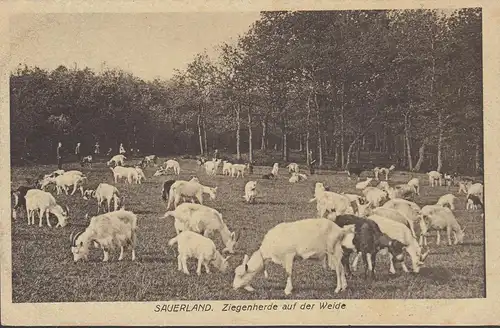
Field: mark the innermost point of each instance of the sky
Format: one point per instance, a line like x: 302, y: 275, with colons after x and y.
x: 147, y: 45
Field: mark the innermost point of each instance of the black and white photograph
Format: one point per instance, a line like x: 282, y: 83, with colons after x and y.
x: 254, y: 155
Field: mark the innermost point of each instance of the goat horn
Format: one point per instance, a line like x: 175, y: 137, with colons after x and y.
x: 71, y: 237
x: 67, y: 209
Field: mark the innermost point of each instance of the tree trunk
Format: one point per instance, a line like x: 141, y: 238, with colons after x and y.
x: 199, y: 132
x: 205, y: 137
x: 407, y: 141
x: 336, y: 154
x: 440, y: 144
x: 421, y: 154
x: 250, y: 147
x: 477, y: 158
x: 342, y: 131
x: 300, y: 143
x: 320, y: 141
x: 238, y: 127
x: 263, y: 142
x: 308, y: 133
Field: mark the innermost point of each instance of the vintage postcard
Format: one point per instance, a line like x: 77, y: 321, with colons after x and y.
x: 249, y: 163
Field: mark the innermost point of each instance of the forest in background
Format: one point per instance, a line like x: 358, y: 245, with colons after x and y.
x: 403, y: 84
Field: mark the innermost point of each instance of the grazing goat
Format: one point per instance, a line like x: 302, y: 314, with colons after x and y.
x: 250, y: 191
x: 147, y: 160
x: 203, y: 220
x: 382, y: 170
x: 188, y: 189
x: 159, y: 172
x: 293, y: 167
x: 191, y: 244
x: 402, y: 233
x: 473, y: 202
x: 64, y: 181
x: 129, y: 173
x: 274, y: 170
x: 117, y: 160
x: 394, y: 215
x: 46, y: 203
x: 476, y: 189
x: 368, y: 240
x: 411, y: 211
x: 212, y: 166
x: 87, y: 160
x: 441, y: 218
x: 328, y: 201
x: 238, y: 169
x: 174, y: 165
x: 435, y: 176
x: 140, y: 175
x: 463, y: 186
x: 268, y: 176
x: 403, y: 191
x: 415, y: 183
x: 296, y: 177
x: 165, y: 190
x: 19, y: 196
x: 226, y: 168
x: 107, y: 231
x: 447, y: 200
x: 309, y: 239
x: 363, y: 184
x: 105, y: 192
x: 374, y: 196
x: 354, y: 171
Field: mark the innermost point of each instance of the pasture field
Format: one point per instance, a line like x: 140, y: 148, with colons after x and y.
x: 43, y: 268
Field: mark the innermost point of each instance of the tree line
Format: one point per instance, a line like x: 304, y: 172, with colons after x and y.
x: 403, y: 85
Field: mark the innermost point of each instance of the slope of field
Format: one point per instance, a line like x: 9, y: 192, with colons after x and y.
x: 43, y: 268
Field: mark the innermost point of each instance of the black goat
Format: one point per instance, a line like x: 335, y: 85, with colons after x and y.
x: 368, y: 240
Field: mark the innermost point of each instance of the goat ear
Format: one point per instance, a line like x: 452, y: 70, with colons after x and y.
x: 87, y: 216
x: 227, y: 258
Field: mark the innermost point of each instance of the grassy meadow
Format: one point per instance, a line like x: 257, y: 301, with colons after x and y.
x: 43, y: 268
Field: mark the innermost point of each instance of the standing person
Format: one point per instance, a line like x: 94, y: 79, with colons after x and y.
x: 77, y: 152
x: 216, y: 153
x: 97, y: 149
x: 59, y: 155
x: 122, y: 150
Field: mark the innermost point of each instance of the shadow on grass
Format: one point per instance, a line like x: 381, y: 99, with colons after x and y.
x: 438, y: 275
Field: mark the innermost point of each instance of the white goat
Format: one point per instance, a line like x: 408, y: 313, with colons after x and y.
x: 188, y: 189
x: 463, y: 186
x: 46, y: 203
x: 140, y: 175
x: 415, y: 183
x: 401, y: 191
x: 105, y: 192
x: 275, y: 168
x: 204, y: 220
x: 447, y: 200
x: 226, y: 168
x: 293, y: 167
x: 309, y: 239
x: 435, y: 176
x: 412, y: 211
x: 328, y: 201
x: 477, y: 189
x: 64, y: 181
x: 441, y: 218
x: 296, y: 177
x: 363, y: 184
x: 250, y: 191
x: 374, y: 196
x: 174, y: 165
x: 383, y: 170
x: 191, y: 244
x: 107, y: 231
x: 238, y: 169
x: 128, y: 173
x: 118, y: 160
x: 403, y: 234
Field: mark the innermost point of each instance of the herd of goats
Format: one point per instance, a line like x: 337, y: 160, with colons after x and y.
x: 380, y: 218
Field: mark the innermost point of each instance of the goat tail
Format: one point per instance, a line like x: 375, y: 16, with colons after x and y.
x: 168, y: 214
x: 172, y: 241
x: 312, y: 200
